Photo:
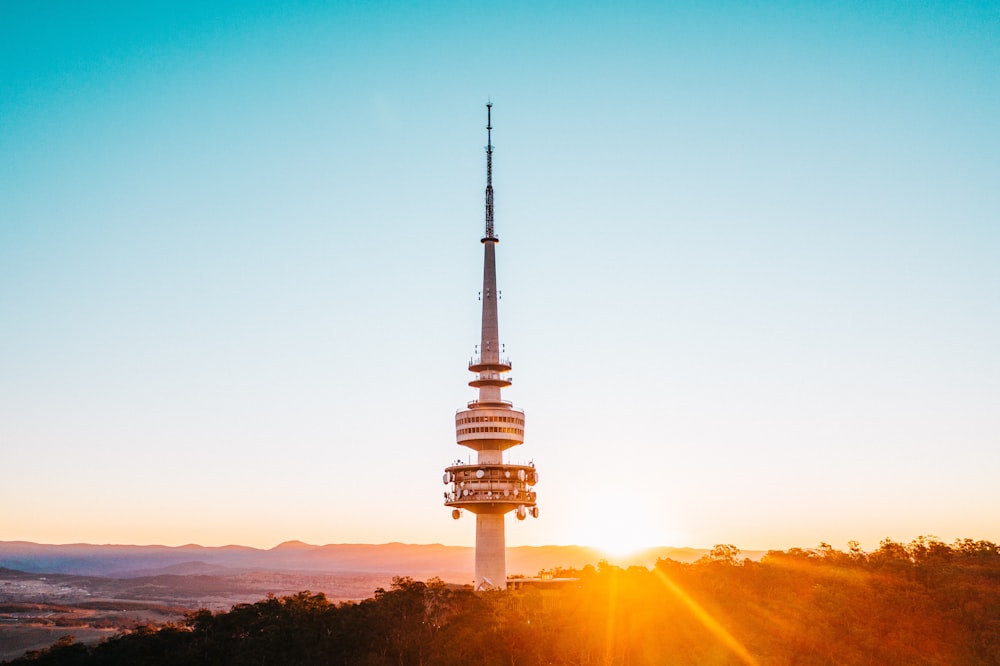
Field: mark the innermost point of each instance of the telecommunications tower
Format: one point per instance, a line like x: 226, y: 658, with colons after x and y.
x: 489, y: 426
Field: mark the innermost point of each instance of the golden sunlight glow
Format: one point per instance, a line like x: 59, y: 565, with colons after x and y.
x: 707, y: 620
x: 617, y: 522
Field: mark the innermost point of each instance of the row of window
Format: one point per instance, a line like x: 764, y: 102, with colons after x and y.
x: 491, y: 419
x: 511, y: 431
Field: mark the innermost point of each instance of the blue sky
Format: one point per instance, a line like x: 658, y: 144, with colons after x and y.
x: 748, y: 259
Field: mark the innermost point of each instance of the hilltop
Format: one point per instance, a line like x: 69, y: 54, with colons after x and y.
x: 450, y: 563
x: 923, y: 602
x: 93, y: 591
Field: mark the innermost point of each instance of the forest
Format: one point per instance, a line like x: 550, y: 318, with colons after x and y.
x: 926, y: 602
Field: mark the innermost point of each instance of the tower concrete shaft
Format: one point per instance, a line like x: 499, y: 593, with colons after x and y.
x: 490, y: 488
x: 490, y: 340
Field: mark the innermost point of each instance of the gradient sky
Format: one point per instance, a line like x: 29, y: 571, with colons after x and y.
x: 750, y: 264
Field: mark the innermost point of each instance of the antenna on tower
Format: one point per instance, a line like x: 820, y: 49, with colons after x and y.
x: 489, y: 170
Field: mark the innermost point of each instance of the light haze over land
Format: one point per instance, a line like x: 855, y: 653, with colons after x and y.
x: 748, y: 257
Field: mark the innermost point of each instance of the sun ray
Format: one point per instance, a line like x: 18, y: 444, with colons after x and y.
x: 609, y: 632
x: 706, y: 619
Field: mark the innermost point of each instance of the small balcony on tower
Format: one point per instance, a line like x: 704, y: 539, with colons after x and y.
x: 491, y: 378
x: 479, y: 364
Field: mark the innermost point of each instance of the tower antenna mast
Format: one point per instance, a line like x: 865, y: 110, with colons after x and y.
x: 489, y: 170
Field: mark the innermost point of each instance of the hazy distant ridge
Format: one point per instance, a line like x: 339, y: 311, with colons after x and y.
x: 396, y: 558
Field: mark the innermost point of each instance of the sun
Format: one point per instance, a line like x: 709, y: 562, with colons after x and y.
x: 617, y: 522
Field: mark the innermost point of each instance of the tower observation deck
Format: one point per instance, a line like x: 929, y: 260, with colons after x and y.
x: 490, y: 488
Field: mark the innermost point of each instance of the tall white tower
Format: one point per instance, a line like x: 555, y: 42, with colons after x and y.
x: 489, y: 426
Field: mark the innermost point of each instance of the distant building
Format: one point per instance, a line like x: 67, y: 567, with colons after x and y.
x: 544, y: 582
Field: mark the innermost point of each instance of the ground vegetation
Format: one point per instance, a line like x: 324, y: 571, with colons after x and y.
x: 925, y: 602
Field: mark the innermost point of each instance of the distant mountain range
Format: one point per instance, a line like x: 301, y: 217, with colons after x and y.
x: 451, y: 563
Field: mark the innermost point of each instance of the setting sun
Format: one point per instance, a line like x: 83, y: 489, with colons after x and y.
x: 617, y: 522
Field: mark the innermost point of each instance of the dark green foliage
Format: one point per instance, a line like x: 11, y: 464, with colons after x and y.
x: 921, y: 603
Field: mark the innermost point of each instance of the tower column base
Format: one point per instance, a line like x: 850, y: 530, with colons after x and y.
x: 491, y: 555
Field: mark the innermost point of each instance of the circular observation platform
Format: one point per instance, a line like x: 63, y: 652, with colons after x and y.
x: 489, y: 426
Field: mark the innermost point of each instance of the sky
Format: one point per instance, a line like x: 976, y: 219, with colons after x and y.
x: 748, y: 262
